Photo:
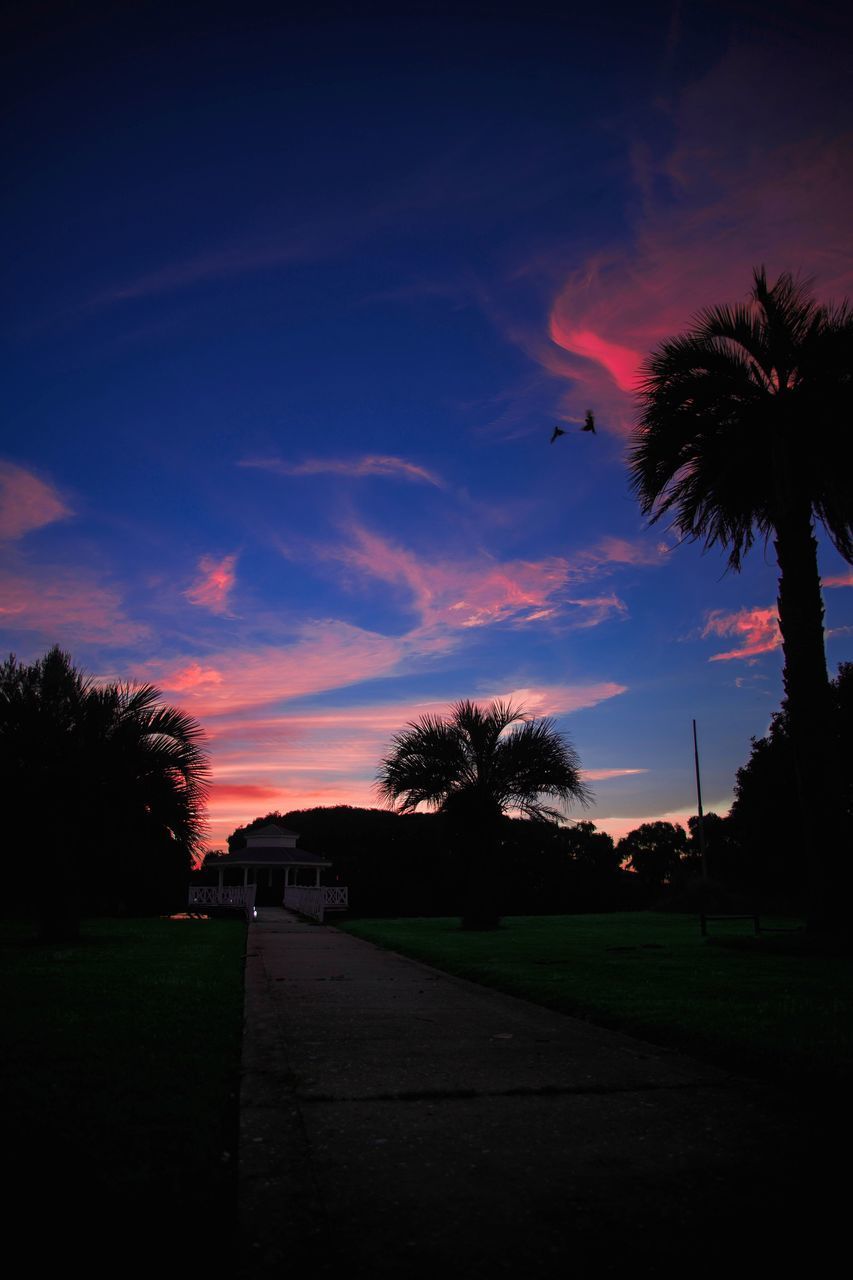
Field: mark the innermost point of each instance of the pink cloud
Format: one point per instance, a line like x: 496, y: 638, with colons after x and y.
x: 758, y: 627
x: 323, y: 656
x: 481, y: 591
x: 751, y: 178
x: 839, y: 580
x: 65, y: 604
x: 369, y: 465
x: 610, y: 551
x: 213, y: 588
x: 222, y: 793
x: 604, y: 775
x: 457, y: 594
x: 622, y: 363
x: 26, y: 502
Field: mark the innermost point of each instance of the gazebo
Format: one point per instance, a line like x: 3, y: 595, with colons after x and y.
x: 271, y: 871
x: 272, y: 863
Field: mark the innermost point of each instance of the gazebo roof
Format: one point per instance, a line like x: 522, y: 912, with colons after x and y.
x: 272, y: 829
x: 271, y: 857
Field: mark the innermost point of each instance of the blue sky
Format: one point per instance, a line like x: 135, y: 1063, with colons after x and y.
x: 292, y: 307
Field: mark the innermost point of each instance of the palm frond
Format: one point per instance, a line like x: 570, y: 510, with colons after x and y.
x: 747, y: 414
x: 498, y: 753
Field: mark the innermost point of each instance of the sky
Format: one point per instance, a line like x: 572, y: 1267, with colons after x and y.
x: 292, y: 304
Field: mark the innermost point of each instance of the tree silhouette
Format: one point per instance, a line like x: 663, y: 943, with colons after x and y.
x: 107, y: 789
x: 745, y: 431
x: 761, y: 812
x: 473, y: 767
x: 654, y: 851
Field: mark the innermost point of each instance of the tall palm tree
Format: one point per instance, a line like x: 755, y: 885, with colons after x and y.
x: 473, y: 767
x: 107, y: 789
x: 745, y: 430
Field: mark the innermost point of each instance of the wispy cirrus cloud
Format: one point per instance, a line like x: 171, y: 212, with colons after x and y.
x: 839, y: 579
x: 610, y: 552
x: 386, y: 465
x: 758, y: 628
x: 252, y: 253
x: 449, y: 593
x: 481, y: 590
x: 321, y: 656
x: 68, y: 604
x: 212, y: 588
x: 606, y: 775
x: 598, y: 609
x: 27, y: 502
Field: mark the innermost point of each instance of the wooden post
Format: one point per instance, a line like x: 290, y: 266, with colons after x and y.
x: 702, y: 920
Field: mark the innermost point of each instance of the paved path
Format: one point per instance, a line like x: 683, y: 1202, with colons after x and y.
x: 396, y: 1121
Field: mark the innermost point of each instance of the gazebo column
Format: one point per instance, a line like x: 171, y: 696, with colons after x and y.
x: 245, y: 876
x: 316, y: 877
x: 221, y: 876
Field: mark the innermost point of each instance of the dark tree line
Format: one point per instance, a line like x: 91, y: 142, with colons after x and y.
x: 408, y: 864
x: 766, y: 819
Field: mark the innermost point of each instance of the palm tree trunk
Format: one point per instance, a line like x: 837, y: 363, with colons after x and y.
x: 808, y: 699
x: 477, y: 843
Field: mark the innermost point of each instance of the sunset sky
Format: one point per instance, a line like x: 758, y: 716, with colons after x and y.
x: 291, y: 309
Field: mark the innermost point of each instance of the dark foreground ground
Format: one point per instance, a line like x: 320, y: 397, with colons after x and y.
x: 120, y: 1074
x: 397, y: 1121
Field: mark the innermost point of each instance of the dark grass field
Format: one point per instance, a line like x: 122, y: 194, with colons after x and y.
x: 765, y: 1006
x: 120, y: 1072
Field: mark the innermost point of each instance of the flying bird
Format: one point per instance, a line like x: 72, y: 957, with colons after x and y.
x: 558, y: 431
x: 589, y: 422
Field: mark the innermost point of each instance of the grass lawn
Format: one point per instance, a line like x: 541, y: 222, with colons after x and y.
x: 119, y: 1074
x: 754, y: 1005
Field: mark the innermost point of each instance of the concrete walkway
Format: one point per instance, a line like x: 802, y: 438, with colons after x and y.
x: 396, y: 1121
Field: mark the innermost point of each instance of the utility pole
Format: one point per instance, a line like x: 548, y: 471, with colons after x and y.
x: 702, y: 919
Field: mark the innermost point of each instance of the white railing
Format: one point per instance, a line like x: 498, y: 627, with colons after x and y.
x: 315, y: 901
x: 240, y: 897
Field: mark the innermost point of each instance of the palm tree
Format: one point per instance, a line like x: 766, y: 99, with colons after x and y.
x: 473, y: 767
x: 107, y: 789
x: 745, y: 430
x: 147, y: 775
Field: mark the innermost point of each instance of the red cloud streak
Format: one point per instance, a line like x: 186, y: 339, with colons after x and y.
x: 759, y: 627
